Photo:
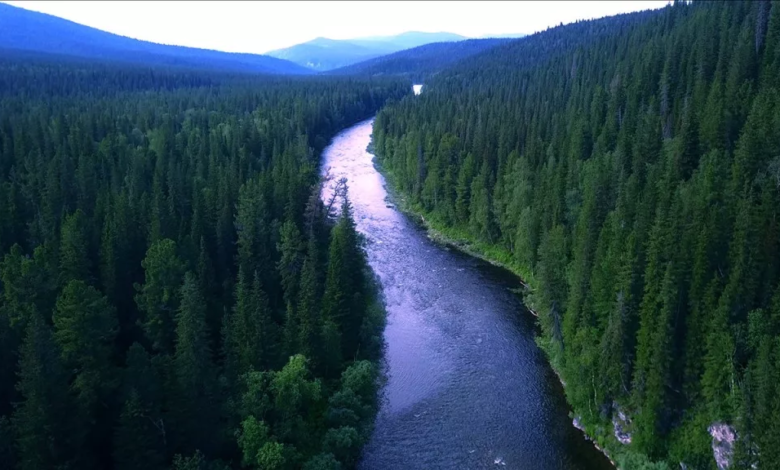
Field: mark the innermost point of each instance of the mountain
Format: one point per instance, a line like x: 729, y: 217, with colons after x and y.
x: 423, y: 60
x: 504, y: 35
x: 409, y: 39
x: 323, y: 54
x: 628, y: 168
x: 39, y: 32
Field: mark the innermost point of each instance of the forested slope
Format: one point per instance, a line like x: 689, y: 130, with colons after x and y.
x: 422, y: 61
x: 629, y: 169
x: 173, y: 293
x: 31, y: 31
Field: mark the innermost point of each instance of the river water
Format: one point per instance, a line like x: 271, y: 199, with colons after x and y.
x: 466, y: 386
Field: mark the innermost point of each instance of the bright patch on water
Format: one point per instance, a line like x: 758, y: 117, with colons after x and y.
x: 465, y: 385
x: 417, y: 89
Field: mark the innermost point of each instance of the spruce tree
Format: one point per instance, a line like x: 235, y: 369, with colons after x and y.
x: 43, y: 419
x: 194, y: 404
x: 158, y: 297
x: 75, y: 263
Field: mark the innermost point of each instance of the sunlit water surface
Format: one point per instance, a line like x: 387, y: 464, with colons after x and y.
x: 466, y: 386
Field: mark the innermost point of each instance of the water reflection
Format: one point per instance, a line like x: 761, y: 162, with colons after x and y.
x: 466, y: 385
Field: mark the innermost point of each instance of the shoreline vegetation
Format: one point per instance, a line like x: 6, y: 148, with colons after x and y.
x: 174, y: 293
x: 628, y: 168
x: 446, y: 236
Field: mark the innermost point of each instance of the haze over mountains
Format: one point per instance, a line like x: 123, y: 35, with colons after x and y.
x: 412, y: 52
x: 324, y: 54
x: 175, y: 293
x: 32, y: 31
x: 421, y: 61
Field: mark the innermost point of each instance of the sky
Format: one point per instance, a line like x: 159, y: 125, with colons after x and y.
x: 259, y: 27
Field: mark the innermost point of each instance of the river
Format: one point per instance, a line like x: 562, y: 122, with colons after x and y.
x: 466, y: 386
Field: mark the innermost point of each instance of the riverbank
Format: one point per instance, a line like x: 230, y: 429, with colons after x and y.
x: 603, y: 440
x: 457, y: 356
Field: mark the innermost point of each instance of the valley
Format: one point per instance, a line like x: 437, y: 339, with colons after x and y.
x: 400, y: 250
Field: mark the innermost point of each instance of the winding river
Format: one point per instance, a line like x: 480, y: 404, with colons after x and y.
x: 466, y: 386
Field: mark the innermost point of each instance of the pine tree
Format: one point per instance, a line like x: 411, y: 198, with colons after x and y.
x: 137, y: 443
x: 75, y: 263
x: 84, y: 328
x: 28, y: 285
x: 158, y: 297
x: 552, y: 279
x: 195, y: 401
x: 142, y: 432
x: 343, y: 299
x: 42, y: 419
x: 292, y: 249
x: 7, y: 450
x: 250, y: 336
x: 252, y: 224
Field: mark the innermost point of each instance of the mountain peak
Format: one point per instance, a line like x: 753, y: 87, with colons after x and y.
x: 324, y: 54
x: 27, y: 30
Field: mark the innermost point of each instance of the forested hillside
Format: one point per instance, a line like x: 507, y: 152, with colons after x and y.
x: 629, y: 169
x: 30, y: 31
x: 422, y: 61
x: 324, y: 54
x: 173, y: 292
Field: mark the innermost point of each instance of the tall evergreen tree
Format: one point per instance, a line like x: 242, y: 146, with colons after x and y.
x: 195, y: 401
x: 158, y: 297
x: 75, y: 263
x: 42, y: 420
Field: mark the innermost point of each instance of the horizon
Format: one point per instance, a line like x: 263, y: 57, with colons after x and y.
x: 233, y: 25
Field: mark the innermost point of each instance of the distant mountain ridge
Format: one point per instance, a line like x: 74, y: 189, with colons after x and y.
x: 22, y: 29
x: 420, y: 62
x: 324, y: 54
x: 504, y: 36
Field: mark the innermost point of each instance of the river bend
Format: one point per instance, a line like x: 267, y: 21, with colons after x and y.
x: 466, y: 386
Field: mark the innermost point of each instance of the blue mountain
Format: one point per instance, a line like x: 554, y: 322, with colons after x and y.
x: 27, y: 30
x: 420, y: 62
x: 323, y: 54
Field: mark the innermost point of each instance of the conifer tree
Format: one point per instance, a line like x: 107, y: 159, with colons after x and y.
x: 42, y: 419
x: 158, y: 297
x: 194, y: 402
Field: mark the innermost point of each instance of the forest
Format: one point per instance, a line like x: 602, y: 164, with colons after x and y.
x: 422, y: 61
x: 628, y: 169
x: 173, y: 291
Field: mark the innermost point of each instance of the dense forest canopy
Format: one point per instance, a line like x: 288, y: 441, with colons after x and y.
x: 422, y: 61
x: 629, y: 169
x: 173, y: 292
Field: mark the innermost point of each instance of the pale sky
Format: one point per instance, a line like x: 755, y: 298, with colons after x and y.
x: 258, y: 27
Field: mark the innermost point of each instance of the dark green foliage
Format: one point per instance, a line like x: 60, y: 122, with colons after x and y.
x: 158, y: 297
x: 251, y: 337
x: 74, y: 249
x: 137, y: 441
x: 344, y: 299
x: 421, y: 61
x: 627, y: 168
x: 7, y: 450
x: 194, y: 403
x: 155, y: 233
x: 84, y: 329
x: 323, y: 462
x: 344, y: 443
x: 140, y: 436
x: 42, y: 420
